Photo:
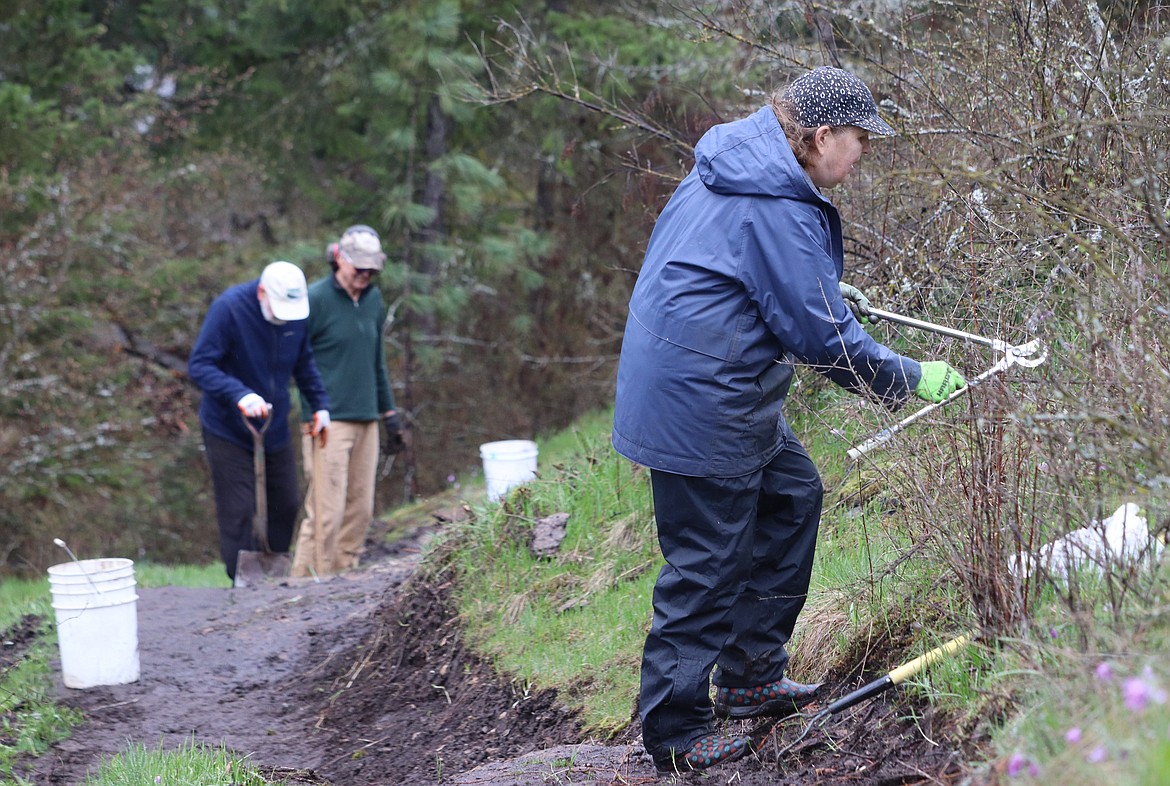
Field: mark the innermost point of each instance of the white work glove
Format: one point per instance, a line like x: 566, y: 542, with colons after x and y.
x: 253, y: 406
x: 321, y: 425
x: 858, y: 303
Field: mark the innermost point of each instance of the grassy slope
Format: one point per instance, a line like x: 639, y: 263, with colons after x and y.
x: 576, y: 620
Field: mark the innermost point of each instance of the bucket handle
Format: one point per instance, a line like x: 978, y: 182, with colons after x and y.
x: 69, y: 551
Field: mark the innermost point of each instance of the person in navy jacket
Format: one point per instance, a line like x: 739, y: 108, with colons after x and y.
x: 254, y: 340
x: 742, y: 279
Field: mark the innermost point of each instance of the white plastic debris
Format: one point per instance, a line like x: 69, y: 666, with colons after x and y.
x: 1119, y: 541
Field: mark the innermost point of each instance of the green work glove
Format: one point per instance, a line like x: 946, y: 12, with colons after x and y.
x: 939, y: 381
x: 858, y: 303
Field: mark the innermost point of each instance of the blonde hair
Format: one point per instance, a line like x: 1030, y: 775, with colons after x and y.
x: 800, y: 138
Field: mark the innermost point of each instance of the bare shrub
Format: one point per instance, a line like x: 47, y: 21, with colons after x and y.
x: 1025, y: 198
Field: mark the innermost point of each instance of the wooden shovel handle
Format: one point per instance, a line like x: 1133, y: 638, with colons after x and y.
x: 260, y: 518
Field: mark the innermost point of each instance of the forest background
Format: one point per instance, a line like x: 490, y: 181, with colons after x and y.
x: 514, y: 157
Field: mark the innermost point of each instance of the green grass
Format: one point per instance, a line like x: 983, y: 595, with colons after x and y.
x: 19, y: 597
x: 30, y: 721
x: 148, y: 575
x: 575, y: 620
x: 191, y: 764
x: 1092, y: 719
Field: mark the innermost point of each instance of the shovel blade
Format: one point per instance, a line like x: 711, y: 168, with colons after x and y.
x: 257, y: 567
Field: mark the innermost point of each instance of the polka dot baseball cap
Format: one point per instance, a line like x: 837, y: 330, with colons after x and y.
x: 828, y: 96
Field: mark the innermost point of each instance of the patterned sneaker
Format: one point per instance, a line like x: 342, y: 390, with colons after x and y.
x: 707, y: 752
x: 775, y: 700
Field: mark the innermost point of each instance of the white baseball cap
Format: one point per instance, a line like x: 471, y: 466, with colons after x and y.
x: 288, y: 294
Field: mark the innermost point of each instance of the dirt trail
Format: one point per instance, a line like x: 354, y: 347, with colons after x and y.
x: 320, y: 682
x: 221, y: 666
x: 364, y: 679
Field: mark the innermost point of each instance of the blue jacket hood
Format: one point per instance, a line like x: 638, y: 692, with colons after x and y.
x: 752, y: 157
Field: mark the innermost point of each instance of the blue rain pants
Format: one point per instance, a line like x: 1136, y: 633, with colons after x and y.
x: 739, y: 555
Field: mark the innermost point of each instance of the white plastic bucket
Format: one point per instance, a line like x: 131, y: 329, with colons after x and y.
x: 506, y: 464
x: 97, y: 621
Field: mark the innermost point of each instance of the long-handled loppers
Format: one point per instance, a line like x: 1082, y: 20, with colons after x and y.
x: 1027, y: 355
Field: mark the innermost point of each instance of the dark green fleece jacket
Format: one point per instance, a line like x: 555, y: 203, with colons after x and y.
x: 347, y: 345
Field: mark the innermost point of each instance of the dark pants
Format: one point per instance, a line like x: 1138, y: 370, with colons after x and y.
x: 739, y: 555
x: 233, y: 480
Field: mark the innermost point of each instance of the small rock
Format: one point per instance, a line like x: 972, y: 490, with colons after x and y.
x: 548, y: 534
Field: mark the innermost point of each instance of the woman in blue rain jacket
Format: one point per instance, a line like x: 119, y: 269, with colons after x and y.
x: 741, y: 279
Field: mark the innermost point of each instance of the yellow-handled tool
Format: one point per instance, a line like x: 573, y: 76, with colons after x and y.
x: 897, y: 676
x: 869, y: 690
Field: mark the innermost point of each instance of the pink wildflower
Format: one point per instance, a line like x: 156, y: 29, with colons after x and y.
x: 1097, y: 755
x: 1139, y: 692
x: 1073, y: 735
x: 1104, y: 672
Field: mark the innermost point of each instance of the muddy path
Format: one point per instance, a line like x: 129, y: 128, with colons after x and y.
x: 364, y: 679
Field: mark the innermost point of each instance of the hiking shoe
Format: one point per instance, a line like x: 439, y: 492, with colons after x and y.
x: 707, y: 752
x: 774, y: 700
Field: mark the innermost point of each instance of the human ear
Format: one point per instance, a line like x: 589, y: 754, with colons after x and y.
x: 820, y: 137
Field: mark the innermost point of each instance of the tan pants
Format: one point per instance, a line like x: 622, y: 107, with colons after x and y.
x: 339, y: 505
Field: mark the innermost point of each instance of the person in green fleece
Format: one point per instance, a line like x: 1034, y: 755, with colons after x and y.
x: 345, y: 330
